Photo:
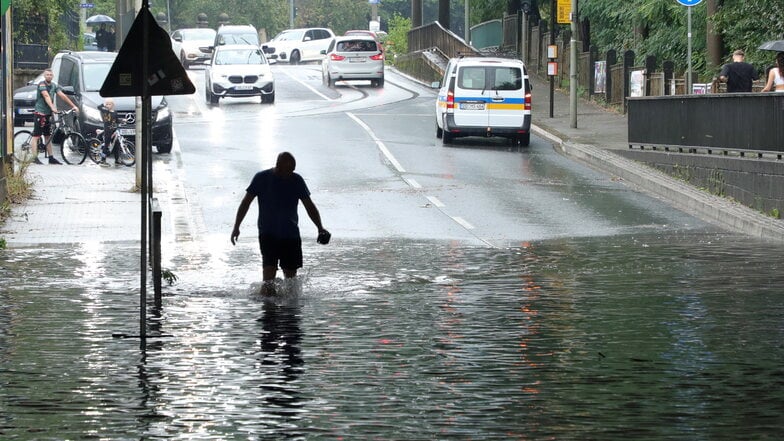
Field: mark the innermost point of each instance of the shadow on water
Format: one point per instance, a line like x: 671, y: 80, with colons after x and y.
x: 646, y: 336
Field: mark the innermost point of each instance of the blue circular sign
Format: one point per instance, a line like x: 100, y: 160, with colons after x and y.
x: 689, y: 2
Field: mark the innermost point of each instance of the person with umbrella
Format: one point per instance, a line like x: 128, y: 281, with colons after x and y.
x: 776, y: 75
x: 101, y: 38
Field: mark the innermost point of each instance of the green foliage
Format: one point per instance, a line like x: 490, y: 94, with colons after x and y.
x: 3, y: 243
x: 397, y: 40
x: 485, y: 10
x: 747, y: 24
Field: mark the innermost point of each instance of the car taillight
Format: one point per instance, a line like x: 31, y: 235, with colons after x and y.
x: 527, y: 104
x: 450, y: 100
x: 336, y: 57
x: 378, y: 56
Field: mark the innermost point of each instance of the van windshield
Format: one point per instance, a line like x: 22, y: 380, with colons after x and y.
x: 94, y: 75
x: 490, y: 78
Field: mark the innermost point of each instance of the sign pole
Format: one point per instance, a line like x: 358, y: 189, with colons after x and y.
x: 688, y: 53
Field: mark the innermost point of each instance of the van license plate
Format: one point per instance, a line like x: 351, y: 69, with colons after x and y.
x: 472, y: 106
x: 127, y: 132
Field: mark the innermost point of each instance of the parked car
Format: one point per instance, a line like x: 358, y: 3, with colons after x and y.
x: 353, y: 58
x: 186, y: 44
x: 297, y: 45
x: 484, y: 97
x: 24, y: 101
x: 83, y: 74
x: 238, y: 71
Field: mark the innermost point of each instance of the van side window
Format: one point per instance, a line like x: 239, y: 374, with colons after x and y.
x: 471, y: 78
x: 66, y: 73
x: 507, y: 78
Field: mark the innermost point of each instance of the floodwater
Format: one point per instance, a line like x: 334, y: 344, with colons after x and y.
x: 628, y: 337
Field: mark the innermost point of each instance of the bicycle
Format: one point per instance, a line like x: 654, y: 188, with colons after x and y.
x: 73, y: 146
x: 125, y: 148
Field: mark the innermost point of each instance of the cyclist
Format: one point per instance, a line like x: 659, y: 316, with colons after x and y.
x: 109, y: 117
x: 44, y: 107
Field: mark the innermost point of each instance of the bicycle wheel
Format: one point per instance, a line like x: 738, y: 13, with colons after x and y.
x: 94, y: 146
x: 74, y: 149
x: 127, y: 152
x: 23, y: 148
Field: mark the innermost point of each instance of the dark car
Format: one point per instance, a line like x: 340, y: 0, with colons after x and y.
x: 24, y: 101
x: 85, y: 73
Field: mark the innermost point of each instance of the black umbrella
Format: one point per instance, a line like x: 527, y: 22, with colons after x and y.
x: 774, y: 45
x: 99, y: 19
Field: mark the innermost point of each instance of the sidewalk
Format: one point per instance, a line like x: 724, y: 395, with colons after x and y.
x: 600, y: 132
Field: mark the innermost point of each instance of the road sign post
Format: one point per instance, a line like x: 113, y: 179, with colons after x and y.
x: 688, y: 4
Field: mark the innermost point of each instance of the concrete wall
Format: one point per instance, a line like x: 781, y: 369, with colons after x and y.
x: 756, y: 183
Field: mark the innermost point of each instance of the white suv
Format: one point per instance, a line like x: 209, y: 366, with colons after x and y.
x: 484, y: 97
x: 296, y: 45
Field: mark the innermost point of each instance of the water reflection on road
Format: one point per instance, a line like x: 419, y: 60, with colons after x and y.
x: 623, y: 337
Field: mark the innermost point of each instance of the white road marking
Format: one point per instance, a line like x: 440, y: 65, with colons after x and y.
x: 462, y: 222
x: 378, y: 142
x: 413, y: 183
x: 435, y: 201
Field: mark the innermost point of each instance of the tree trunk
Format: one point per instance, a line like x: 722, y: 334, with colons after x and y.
x: 443, y: 13
x: 713, y: 41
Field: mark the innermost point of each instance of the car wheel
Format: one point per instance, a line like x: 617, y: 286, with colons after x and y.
x: 183, y: 60
x: 380, y: 82
x: 165, y: 148
x: 268, y: 99
x: 330, y: 81
x: 294, y: 58
x: 439, y: 132
x: 446, y: 138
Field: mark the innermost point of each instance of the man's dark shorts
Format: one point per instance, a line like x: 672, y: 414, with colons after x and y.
x: 42, y: 125
x: 287, y: 252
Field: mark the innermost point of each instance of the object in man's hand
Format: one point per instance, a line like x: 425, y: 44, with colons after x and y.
x: 323, y: 237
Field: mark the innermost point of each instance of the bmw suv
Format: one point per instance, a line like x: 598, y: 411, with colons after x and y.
x: 84, y: 73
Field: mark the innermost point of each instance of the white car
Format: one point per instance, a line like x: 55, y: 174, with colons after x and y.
x: 296, y: 45
x: 353, y: 58
x: 186, y: 44
x: 239, y: 70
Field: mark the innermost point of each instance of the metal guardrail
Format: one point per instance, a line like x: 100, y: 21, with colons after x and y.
x: 737, y: 122
x: 434, y: 35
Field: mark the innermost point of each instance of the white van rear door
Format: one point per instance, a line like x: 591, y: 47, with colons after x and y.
x: 471, y: 97
x: 507, y: 96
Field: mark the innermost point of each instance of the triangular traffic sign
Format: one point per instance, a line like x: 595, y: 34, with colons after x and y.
x: 165, y: 75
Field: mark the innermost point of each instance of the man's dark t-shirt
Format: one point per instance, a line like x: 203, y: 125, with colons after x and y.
x: 278, y: 198
x: 740, y: 76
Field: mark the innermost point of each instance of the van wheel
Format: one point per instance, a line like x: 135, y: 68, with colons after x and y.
x: 439, y: 132
x: 524, y: 139
x: 446, y: 138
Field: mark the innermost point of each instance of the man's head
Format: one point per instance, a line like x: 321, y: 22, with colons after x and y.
x: 285, y: 164
x: 738, y: 56
x: 48, y: 75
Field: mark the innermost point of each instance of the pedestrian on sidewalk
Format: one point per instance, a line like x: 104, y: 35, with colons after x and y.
x: 739, y: 75
x: 44, y: 108
x: 776, y: 75
x: 279, y: 191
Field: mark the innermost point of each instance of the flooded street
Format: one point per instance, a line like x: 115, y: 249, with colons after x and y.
x: 643, y: 337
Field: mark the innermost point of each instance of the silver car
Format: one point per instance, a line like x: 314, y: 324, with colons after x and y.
x: 238, y: 71
x: 353, y: 58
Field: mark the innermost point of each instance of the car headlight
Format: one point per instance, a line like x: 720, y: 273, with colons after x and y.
x: 92, y: 115
x: 162, y: 114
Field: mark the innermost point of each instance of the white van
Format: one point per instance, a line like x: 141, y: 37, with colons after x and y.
x: 481, y: 96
